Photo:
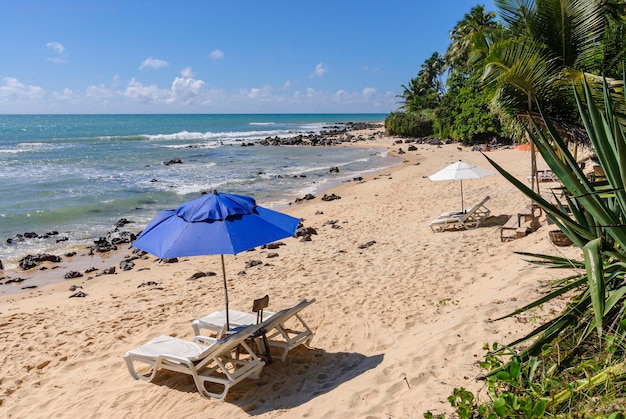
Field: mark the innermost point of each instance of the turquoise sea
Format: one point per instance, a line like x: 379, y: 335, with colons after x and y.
x: 80, y: 174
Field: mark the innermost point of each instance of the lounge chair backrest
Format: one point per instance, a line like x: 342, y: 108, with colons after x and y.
x: 258, y: 305
x: 480, y: 204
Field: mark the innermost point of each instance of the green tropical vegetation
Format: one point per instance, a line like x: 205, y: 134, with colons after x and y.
x: 500, y: 65
x: 525, y: 72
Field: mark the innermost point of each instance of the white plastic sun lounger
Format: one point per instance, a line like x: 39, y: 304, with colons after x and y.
x: 467, y: 219
x: 284, y: 333
x: 219, y: 363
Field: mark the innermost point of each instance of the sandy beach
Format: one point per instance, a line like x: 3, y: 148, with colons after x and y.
x: 400, y: 317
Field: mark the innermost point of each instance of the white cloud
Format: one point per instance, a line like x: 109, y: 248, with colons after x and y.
x: 153, y: 63
x: 368, y: 91
x: 216, y: 54
x: 99, y: 91
x: 56, y: 46
x: 12, y: 88
x: 186, y: 72
x: 319, y: 71
x: 59, y: 49
x: 66, y: 94
x: 287, y: 85
x: 256, y: 93
x: 370, y: 69
x: 186, y: 91
x: 145, y: 94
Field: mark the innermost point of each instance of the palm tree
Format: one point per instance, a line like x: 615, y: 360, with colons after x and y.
x: 550, y: 44
x: 566, y: 34
x: 476, y: 22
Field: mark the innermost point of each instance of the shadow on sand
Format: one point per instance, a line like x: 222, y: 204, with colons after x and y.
x: 305, y: 374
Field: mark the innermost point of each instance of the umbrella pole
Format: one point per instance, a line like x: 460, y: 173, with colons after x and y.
x: 462, y: 204
x: 225, y: 293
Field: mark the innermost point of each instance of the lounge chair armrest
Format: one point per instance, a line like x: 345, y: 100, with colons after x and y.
x: 174, y: 358
x: 205, y: 339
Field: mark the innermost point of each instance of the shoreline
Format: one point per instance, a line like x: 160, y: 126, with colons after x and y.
x: 401, y: 313
x: 349, y: 134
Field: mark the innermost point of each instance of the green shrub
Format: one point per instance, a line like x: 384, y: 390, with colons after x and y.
x: 409, y: 124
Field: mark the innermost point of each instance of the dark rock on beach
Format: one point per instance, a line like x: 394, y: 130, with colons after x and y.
x: 366, y: 245
x: 306, y: 197
x: 330, y: 197
x: 108, y: 271
x: 122, y: 222
x: 127, y: 265
x: 72, y: 275
x: 102, y: 245
x: 15, y: 280
x: 30, y: 261
x: 251, y: 263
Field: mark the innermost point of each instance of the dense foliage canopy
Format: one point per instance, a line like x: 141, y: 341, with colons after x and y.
x: 500, y: 65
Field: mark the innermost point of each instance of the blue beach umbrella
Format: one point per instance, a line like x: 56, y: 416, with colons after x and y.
x: 214, y: 224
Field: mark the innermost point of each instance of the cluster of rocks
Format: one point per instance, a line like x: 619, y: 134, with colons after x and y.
x: 334, y: 135
x: 18, y: 238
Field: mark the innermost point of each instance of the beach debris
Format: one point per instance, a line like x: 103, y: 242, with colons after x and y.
x: 27, y: 287
x: 72, y: 275
x: 242, y: 273
x: 1, y: 266
x: 108, y: 271
x: 90, y: 270
x: 172, y: 161
x: 30, y: 261
x: 368, y: 244
x: 170, y: 260
x: 75, y: 287
x: 318, y: 212
x: 330, y: 197
x: 306, y: 238
x: 272, y: 255
x: 251, y: 263
x: 78, y: 294
x: 70, y: 254
x: 127, y: 265
x: 148, y: 284
x: 411, y: 148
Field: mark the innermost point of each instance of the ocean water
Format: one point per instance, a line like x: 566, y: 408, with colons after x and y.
x: 79, y: 174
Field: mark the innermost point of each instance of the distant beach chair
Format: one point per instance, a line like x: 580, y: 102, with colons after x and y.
x: 217, y: 362
x: 283, y: 333
x: 466, y: 219
x: 545, y: 176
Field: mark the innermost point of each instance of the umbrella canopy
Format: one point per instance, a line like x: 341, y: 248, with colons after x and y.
x: 461, y: 171
x: 214, y: 224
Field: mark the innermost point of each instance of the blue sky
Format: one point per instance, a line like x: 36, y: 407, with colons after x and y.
x: 206, y: 56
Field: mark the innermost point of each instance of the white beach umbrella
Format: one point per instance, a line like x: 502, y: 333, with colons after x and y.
x: 461, y: 171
